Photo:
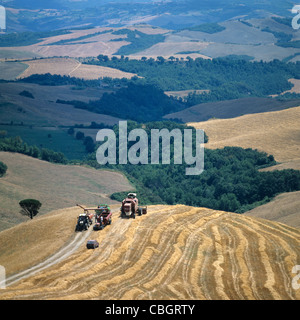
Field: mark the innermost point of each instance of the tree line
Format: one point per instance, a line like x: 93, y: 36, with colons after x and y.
x: 138, y: 102
x: 16, y: 144
x: 225, y: 78
x: 231, y: 180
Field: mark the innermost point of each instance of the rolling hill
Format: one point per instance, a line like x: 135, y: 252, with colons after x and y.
x: 284, y: 208
x: 276, y: 133
x: 72, y: 68
x: 44, y: 110
x: 240, y: 37
x: 55, y: 186
x: 173, y: 252
x: 231, y: 108
x: 176, y: 13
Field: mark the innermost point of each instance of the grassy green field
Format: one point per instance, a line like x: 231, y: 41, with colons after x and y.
x: 53, y: 138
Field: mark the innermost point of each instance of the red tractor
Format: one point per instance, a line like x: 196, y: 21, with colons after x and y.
x: 102, y: 217
x: 130, y: 207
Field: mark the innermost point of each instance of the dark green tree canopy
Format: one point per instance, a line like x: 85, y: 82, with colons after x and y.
x: 30, y: 207
x: 3, y: 169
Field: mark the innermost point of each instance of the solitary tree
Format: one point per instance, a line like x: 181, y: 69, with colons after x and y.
x: 3, y: 168
x: 79, y: 135
x: 30, y: 207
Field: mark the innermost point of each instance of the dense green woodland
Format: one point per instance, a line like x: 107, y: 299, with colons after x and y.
x: 136, y: 102
x: 231, y: 180
x: 226, y: 78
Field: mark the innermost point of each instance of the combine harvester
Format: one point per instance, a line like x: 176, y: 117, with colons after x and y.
x: 102, y: 215
x: 130, y: 207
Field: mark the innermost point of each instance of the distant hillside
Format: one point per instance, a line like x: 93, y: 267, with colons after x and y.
x: 276, y: 133
x: 55, y: 186
x: 231, y: 109
x: 73, y: 68
x: 285, y: 208
x: 43, y: 109
x: 257, y: 38
x: 173, y: 252
x: 175, y: 13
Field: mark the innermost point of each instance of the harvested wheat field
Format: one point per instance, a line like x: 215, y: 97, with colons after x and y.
x: 73, y: 68
x: 277, y: 133
x: 173, y: 252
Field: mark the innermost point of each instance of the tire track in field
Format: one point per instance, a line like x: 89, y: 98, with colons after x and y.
x: 173, y: 252
x: 56, y: 258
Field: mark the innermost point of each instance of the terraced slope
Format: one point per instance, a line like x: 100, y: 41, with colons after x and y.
x: 175, y: 252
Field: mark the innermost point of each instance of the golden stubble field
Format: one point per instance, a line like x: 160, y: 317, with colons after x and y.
x: 277, y: 133
x: 173, y: 252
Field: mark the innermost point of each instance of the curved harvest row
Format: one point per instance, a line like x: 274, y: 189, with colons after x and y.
x: 175, y: 252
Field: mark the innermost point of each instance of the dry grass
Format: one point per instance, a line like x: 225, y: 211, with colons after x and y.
x: 184, y: 93
x: 169, y: 48
x: 277, y: 133
x: 293, y: 164
x: 89, y: 47
x: 296, y: 86
x: 71, y: 67
x: 213, y: 255
x: 284, y: 208
x: 55, y: 186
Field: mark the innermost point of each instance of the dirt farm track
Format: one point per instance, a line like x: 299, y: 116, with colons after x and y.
x: 173, y: 252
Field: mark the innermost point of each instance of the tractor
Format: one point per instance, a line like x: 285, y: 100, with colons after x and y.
x: 102, y: 217
x: 130, y: 207
x: 83, y: 222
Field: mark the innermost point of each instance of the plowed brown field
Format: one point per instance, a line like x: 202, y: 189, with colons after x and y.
x: 175, y: 252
